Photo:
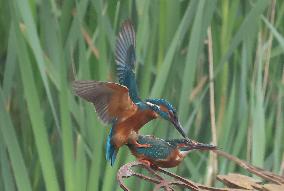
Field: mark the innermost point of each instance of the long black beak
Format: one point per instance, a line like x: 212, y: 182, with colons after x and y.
x: 178, y: 126
x: 202, y: 146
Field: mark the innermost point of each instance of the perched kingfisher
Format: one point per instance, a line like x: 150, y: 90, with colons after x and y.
x: 119, y: 104
x: 165, y: 153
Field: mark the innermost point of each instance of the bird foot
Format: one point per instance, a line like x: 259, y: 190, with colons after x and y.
x: 149, y: 164
x: 146, y: 162
x: 142, y: 145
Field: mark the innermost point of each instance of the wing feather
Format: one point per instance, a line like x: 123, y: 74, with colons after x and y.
x: 125, y: 59
x: 111, y: 100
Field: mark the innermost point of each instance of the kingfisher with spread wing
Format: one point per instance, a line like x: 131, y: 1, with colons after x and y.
x: 120, y: 104
x: 165, y: 153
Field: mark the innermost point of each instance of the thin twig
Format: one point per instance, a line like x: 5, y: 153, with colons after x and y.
x: 74, y: 76
x: 266, y: 175
x: 198, y: 88
x: 268, y: 49
x: 279, y: 119
x: 192, y: 184
x: 89, y: 41
x: 212, y: 170
x: 125, y: 172
x: 282, y: 166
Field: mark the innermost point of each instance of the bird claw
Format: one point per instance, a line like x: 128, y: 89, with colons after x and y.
x: 143, y: 145
x: 146, y: 162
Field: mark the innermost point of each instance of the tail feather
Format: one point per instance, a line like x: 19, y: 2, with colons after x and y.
x: 111, y: 151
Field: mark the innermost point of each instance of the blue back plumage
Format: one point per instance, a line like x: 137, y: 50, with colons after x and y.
x: 125, y: 59
x: 159, y: 149
x: 111, y: 152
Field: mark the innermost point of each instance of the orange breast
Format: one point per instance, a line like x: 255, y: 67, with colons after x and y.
x: 124, y: 129
x: 172, y: 161
x: 139, y: 119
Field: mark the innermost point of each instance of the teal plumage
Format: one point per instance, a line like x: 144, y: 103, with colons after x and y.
x: 125, y: 59
x: 121, y: 102
x: 165, y: 153
x: 159, y: 148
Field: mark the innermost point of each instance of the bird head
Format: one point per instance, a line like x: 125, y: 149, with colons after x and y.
x: 186, y: 145
x: 165, y: 110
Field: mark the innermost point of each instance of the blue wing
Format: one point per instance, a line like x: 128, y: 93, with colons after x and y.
x: 125, y: 59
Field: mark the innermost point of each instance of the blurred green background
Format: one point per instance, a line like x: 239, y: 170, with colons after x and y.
x: 50, y: 140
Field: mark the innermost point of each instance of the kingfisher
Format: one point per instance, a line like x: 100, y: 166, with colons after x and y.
x: 165, y: 153
x: 119, y: 105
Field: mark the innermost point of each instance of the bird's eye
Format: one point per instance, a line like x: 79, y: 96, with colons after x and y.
x: 157, y: 107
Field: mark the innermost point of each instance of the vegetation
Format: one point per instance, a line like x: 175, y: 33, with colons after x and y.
x: 50, y: 140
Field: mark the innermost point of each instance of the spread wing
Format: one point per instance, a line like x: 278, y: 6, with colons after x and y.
x: 125, y: 59
x: 111, y: 100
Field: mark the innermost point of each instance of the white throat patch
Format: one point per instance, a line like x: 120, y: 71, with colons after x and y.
x: 183, y: 153
x: 152, y: 105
